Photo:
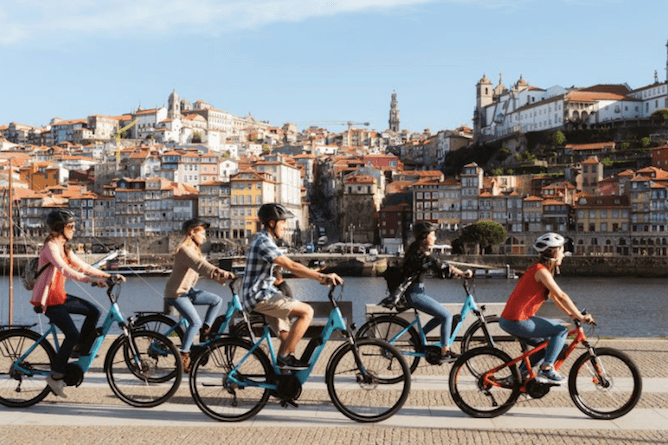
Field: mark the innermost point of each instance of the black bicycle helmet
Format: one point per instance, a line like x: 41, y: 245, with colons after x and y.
x: 423, y: 228
x: 192, y: 223
x: 58, y: 219
x: 273, y: 212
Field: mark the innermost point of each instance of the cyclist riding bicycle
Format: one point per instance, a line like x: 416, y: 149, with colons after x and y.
x: 180, y: 291
x: 49, y: 294
x: 259, y: 291
x: 533, y: 289
x: 417, y: 262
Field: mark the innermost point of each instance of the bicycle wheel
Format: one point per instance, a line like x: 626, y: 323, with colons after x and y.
x: 490, y: 394
x: 372, y: 390
x: 148, y: 377
x: 606, y: 385
x: 225, y: 379
x: 387, y: 327
x: 160, y: 323
x: 27, y: 386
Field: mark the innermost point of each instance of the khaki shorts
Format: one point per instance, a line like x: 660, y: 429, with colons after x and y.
x: 277, y: 308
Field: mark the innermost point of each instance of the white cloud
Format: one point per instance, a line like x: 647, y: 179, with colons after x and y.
x: 40, y: 21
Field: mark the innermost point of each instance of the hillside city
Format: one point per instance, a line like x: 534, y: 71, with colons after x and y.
x: 587, y: 162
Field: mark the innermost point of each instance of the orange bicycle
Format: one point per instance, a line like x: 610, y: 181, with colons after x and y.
x: 604, y: 383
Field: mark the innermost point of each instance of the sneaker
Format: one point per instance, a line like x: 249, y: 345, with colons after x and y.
x: 549, y: 376
x: 57, y: 386
x: 291, y: 362
x: 187, y: 364
x: 449, y: 357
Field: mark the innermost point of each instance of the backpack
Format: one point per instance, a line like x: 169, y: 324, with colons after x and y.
x: 30, y: 273
x: 393, y: 277
x: 396, y: 285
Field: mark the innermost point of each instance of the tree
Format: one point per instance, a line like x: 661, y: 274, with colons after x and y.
x: 484, y: 233
x: 497, y: 171
x: 646, y: 142
x: 558, y: 138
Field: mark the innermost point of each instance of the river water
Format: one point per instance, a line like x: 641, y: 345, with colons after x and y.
x: 623, y: 307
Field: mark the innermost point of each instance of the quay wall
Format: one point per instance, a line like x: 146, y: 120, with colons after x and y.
x: 580, y: 266
x: 574, y: 266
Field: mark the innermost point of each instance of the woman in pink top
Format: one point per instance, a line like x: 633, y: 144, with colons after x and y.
x: 49, y: 294
x: 535, y: 287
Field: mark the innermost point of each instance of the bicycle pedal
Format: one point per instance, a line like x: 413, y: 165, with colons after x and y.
x: 286, y: 403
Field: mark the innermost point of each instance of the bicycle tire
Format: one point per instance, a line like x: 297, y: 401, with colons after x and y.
x: 372, y: 396
x: 20, y: 390
x: 474, y: 392
x: 216, y: 395
x: 386, y: 327
x: 614, y: 395
x: 154, y: 380
x: 160, y: 323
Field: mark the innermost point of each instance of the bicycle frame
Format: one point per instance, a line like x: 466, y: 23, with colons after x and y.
x: 85, y: 361
x: 468, y: 307
x: 233, y: 306
x: 312, y: 352
x: 579, y: 338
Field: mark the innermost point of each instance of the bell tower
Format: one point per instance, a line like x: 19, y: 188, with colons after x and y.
x: 394, y: 113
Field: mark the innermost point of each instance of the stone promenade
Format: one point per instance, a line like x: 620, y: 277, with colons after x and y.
x: 92, y: 414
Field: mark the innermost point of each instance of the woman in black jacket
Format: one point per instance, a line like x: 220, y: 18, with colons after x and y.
x: 417, y: 262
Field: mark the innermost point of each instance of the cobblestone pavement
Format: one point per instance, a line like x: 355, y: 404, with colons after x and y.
x: 441, y: 422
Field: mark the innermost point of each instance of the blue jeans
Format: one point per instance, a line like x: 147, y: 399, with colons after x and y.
x: 416, y: 298
x: 537, y: 330
x: 185, y: 304
x: 60, y: 316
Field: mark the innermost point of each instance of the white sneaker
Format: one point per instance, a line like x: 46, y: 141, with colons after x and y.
x: 57, y: 386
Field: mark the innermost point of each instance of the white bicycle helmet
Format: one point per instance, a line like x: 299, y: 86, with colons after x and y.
x: 548, y: 240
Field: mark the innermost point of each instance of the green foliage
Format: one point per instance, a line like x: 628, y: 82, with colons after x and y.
x: 558, y: 138
x: 645, y: 142
x: 497, y: 171
x: 625, y: 145
x: 504, y: 152
x: 518, y: 157
x: 661, y: 114
x: 607, y: 162
x: 510, y: 171
x: 484, y: 233
x: 197, y: 138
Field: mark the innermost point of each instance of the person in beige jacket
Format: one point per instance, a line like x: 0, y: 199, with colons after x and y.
x: 180, y: 291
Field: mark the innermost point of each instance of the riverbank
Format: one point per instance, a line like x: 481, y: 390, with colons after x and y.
x: 369, y: 266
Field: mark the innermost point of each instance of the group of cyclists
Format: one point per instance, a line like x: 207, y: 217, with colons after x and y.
x: 264, y: 291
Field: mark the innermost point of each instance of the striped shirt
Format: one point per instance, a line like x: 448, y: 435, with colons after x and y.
x: 258, y: 282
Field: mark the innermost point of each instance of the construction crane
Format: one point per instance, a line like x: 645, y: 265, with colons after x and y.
x: 350, y: 125
x: 118, y: 136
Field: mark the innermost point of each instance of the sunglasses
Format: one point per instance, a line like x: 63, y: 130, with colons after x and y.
x: 70, y: 226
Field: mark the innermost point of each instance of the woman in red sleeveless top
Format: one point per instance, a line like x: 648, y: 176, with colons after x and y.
x: 533, y: 289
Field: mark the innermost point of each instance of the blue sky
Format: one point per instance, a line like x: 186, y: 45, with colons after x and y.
x: 314, y: 61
